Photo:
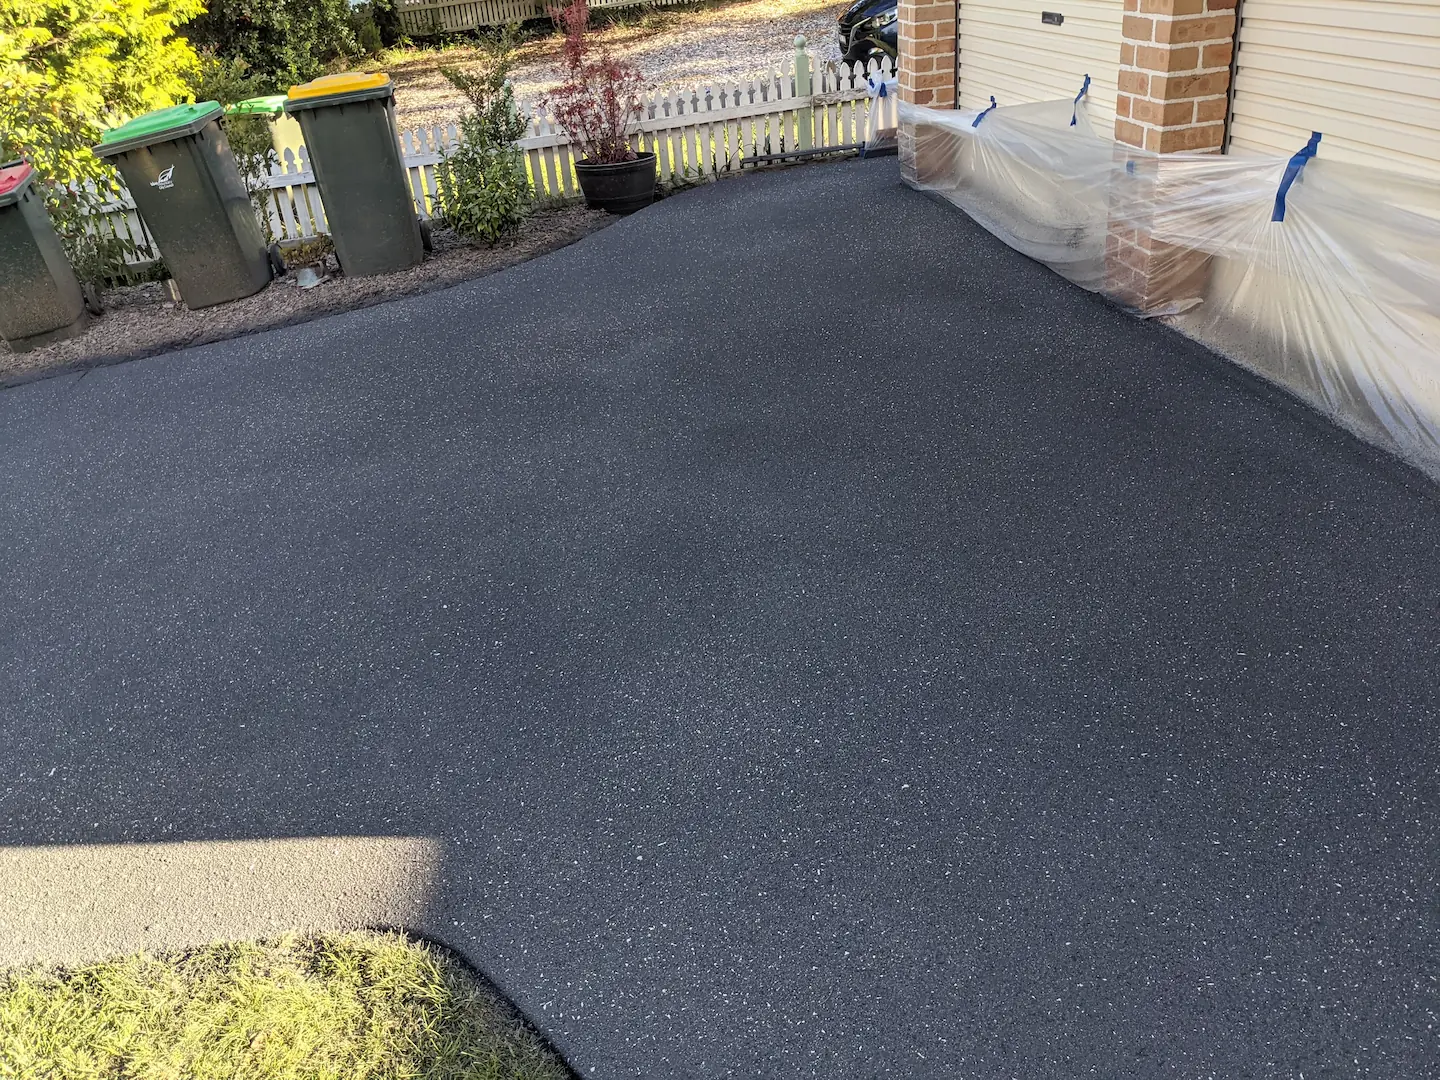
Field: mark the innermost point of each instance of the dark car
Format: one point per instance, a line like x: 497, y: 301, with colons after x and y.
x: 869, y: 28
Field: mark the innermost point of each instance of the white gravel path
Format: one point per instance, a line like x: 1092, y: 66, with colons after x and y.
x: 674, y: 48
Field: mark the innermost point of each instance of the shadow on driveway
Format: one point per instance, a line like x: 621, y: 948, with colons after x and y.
x: 820, y: 641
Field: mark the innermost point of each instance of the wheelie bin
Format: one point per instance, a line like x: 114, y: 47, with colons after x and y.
x: 41, y: 300
x: 349, y: 126
x: 284, y: 130
x: 181, y: 174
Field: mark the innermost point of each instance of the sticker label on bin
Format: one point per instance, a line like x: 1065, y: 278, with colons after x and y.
x: 163, y: 181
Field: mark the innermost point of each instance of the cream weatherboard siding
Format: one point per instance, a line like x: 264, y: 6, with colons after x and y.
x: 1366, y: 73
x: 1005, y: 50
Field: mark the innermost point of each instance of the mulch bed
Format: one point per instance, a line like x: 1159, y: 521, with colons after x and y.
x: 141, y: 320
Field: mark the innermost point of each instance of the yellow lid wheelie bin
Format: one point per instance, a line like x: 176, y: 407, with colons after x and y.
x: 348, y: 122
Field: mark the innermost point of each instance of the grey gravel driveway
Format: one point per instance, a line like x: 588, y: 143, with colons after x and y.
x: 819, y: 641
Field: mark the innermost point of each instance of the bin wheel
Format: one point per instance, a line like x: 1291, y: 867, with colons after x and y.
x: 425, y: 239
x: 277, y: 261
x: 92, y: 298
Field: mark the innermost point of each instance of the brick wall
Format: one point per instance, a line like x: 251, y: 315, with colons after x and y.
x: 1174, y: 94
x: 927, y: 52
x: 1175, y: 74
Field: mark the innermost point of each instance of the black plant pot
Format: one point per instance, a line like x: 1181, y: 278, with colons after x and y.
x: 621, y: 188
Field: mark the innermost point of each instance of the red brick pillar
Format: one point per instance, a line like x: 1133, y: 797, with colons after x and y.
x: 927, y: 52
x: 926, y: 76
x: 1174, y: 87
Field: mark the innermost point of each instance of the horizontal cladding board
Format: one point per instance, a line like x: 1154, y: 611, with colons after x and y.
x: 1411, y: 19
x: 1307, y: 94
x: 1382, y: 48
x: 1345, y: 75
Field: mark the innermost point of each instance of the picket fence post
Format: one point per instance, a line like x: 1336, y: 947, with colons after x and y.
x: 805, y: 91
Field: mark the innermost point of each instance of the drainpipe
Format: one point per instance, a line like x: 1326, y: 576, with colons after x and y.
x: 955, y: 91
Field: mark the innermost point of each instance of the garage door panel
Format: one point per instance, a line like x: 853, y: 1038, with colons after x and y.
x: 1259, y: 132
x: 1340, y: 76
x: 1013, y: 24
x: 1043, y: 63
x: 1009, y: 91
x: 1012, y: 87
x: 1405, y: 115
x: 1355, y: 133
x: 1005, y: 50
x: 1365, y: 73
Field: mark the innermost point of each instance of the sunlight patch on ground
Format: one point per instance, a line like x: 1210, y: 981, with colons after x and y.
x: 72, y: 903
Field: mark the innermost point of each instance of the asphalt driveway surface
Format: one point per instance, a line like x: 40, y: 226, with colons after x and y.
x: 822, y: 642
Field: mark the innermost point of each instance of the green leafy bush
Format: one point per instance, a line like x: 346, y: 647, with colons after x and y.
x: 367, y: 34
x: 375, y: 26
x: 484, y: 191
x: 387, y: 21
x: 228, y: 80
x: 282, y: 41
x: 68, y: 70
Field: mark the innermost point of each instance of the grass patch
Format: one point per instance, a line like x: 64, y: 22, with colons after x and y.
x: 342, y: 1007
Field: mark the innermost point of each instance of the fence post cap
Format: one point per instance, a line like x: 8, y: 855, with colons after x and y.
x: 800, y: 41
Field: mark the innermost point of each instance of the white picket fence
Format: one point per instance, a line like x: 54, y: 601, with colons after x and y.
x: 696, y: 135
x: 422, y: 18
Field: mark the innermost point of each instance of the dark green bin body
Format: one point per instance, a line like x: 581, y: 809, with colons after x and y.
x: 354, y: 151
x: 41, y: 301
x: 198, y: 212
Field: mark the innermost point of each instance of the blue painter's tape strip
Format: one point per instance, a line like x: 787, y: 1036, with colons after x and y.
x: 976, y: 122
x: 1292, y: 173
x: 1075, y: 112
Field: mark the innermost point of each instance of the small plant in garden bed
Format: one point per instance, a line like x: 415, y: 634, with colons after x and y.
x: 311, y: 252
x: 483, y: 187
x: 598, y: 106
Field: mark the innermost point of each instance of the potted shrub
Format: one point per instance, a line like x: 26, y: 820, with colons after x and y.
x: 596, y: 105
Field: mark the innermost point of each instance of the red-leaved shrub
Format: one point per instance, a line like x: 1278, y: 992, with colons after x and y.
x: 600, y: 96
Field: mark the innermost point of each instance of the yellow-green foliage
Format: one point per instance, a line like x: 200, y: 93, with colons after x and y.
x: 348, y: 1007
x: 68, y: 67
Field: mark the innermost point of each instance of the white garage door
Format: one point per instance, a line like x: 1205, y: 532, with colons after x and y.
x: 1007, y: 49
x: 1366, y: 73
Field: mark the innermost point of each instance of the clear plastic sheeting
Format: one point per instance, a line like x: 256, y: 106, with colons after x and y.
x: 1332, y: 291
x: 881, y: 123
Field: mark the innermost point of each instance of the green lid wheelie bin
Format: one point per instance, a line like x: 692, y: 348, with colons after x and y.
x: 349, y: 126
x: 181, y: 174
x: 41, y: 301
x: 284, y: 129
